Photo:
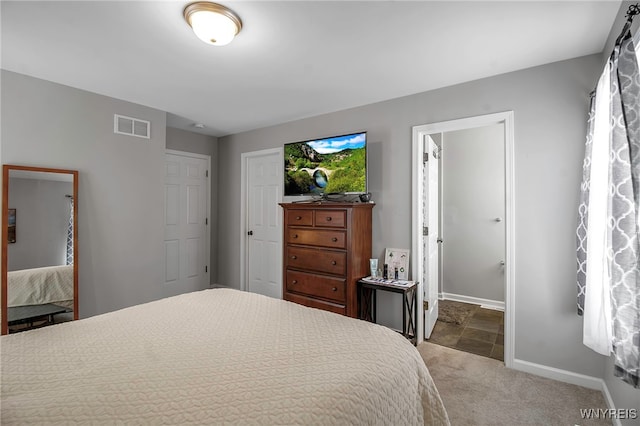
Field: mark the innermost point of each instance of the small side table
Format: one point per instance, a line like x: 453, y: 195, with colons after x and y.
x: 367, y: 289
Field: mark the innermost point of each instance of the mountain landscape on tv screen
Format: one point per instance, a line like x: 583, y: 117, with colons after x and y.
x: 311, y: 172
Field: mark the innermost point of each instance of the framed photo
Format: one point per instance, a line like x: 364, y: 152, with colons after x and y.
x: 397, y: 259
x: 11, y: 236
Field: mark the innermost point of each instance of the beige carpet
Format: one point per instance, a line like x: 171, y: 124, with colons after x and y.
x: 481, y: 391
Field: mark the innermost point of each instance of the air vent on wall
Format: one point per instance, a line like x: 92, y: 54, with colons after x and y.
x: 131, y: 126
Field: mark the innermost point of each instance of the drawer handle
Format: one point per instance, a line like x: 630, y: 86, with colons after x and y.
x: 335, y: 289
x: 329, y: 218
x: 333, y: 262
x: 334, y: 239
x: 295, y: 235
x: 294, y: 257
x: 298, y: 217
x: 294, y: 282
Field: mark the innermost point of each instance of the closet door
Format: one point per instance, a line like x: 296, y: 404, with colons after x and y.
x: 186, y: 223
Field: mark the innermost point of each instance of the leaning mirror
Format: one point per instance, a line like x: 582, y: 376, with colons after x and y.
x: 39, y: 247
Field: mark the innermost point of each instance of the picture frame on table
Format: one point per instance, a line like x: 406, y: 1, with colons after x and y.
x: 396, y: 258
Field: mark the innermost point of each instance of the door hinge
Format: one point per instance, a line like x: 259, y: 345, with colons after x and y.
x: 206, y: 173
x: 206, y: 269
x: 425, y: 231
x: 425, y: 305
x: 425, y: 157
x: 206, y: 220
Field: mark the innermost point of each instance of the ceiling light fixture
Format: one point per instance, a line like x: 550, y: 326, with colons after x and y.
x: 212, y: 22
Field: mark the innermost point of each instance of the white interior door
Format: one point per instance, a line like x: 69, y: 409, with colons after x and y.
x: 431, y: 262
x: 264, y: 224
x: 186, y: 241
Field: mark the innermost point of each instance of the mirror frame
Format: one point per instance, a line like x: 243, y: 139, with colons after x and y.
x: 5, y: 234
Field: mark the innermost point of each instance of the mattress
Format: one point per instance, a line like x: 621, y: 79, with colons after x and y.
x: 216, y: 356
x: 39, y: 286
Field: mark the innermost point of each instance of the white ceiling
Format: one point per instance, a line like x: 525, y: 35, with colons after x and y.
x: 292, y: 59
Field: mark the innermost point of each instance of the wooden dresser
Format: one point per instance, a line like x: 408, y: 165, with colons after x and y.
x: 327, y: 247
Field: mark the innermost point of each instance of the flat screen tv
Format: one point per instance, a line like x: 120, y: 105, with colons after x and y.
x: 334, y: 165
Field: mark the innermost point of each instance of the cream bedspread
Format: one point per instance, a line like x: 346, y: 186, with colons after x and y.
x: 216, y: 356
x: 40, y: 285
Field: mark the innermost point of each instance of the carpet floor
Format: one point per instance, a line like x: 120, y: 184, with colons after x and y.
x: 481, y: 391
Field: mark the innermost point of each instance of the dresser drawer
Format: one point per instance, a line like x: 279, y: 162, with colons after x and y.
x: 317, y: 237
x: 299, y: 217
x: 331, y: 218
x: 326, y: 245
x: 316, y: 285
x: 315, y: 303
x: 330, y: 262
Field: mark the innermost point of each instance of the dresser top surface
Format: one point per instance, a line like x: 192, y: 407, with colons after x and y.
x: 326, y: 204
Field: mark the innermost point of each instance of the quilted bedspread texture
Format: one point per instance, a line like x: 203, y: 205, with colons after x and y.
x: 40, y: 285
x: 217, y: 356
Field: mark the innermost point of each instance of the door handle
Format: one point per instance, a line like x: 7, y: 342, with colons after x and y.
x: 439, y: 240
x: 502, y: 263
x: 250, y: 233
x: 498, y: 219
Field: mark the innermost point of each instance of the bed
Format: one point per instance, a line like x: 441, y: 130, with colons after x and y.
x: 216, y: 356
x: 39, y: 286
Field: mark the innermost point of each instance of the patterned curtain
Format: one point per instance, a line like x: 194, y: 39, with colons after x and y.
x: 608, y: 226
x: 583, y: 209
x: 70, y: 235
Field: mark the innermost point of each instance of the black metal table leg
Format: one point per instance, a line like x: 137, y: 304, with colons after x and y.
x: 367, y: 301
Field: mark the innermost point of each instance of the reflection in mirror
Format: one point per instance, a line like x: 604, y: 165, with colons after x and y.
x: 39, y: 235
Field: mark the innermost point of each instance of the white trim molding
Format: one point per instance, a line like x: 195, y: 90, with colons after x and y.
x: 417, y: 224
x: 570, y: 377
x: 506, y: 118
x: 558, y: 374
x: 484, y: 303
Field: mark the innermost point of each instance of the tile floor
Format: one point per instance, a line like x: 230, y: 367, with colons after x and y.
x: 482, y: 333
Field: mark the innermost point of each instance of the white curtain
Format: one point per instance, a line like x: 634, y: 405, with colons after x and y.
x: 597, y: 304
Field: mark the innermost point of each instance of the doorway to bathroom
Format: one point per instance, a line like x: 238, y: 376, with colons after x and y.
x: 473, y: 227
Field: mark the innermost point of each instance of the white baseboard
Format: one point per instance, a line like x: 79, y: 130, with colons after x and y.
x: 568, y: 377
x: 610, y: 403
x: 558, y: 374
x: 485, y: 303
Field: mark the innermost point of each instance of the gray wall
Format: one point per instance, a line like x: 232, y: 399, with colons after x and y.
x: 550, y: 106
x: 473, y: 194
x: 121, y: 197
x: 181, y: 140
x: 42, y: 220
